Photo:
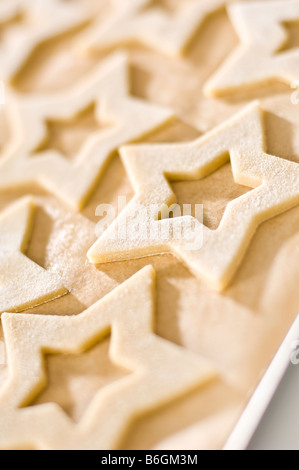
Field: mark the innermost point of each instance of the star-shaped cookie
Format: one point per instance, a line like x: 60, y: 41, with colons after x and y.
x: 108, y: 88
x: 151, y: 167
x: 39, y: 20
x: 257, y: 61
x: 159, y: 371
x: 151, y: 25
x: 23, y: 284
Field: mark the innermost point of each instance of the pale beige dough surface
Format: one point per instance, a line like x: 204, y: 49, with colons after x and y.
x: 260, y: 59
x: 240, y: 330
x: 119, y: 119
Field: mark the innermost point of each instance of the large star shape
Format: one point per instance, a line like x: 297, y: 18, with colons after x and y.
x: 161, y: 371
x: 23, y: 284
x: 43, y: 19
x: 257, y: 60
x: 276, y: 183
x: 107, y: 87
x: 139, y: 21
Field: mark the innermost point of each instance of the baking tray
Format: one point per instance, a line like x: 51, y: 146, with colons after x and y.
x: 263, y: 395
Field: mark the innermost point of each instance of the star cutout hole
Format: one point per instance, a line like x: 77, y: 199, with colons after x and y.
x: 74, y: 379
x: 69, y: 136
x: 214, y: 192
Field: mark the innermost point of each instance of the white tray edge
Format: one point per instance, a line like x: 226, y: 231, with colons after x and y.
x: 262, y: 397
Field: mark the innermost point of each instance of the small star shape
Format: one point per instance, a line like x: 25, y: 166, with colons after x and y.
x: 161, y: 371
x: 23, y: 283
x: 212, y: 255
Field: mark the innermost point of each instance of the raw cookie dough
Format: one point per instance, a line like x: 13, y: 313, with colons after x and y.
x: 108, y: 88
x: 35, y: 21
x: 152, y: 25
x: 23, y: 284
x: 258, y: 60
x: 238, y: 331
x: 159, y: 371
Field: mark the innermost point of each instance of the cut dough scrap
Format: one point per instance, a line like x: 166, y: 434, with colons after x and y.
x: 276, y: 183
x: 161, y: 371
x: 23, y: 284
x: 108, y: 87
x: 169, y: 33
x: 43, y: 19
x: 256, y: 61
